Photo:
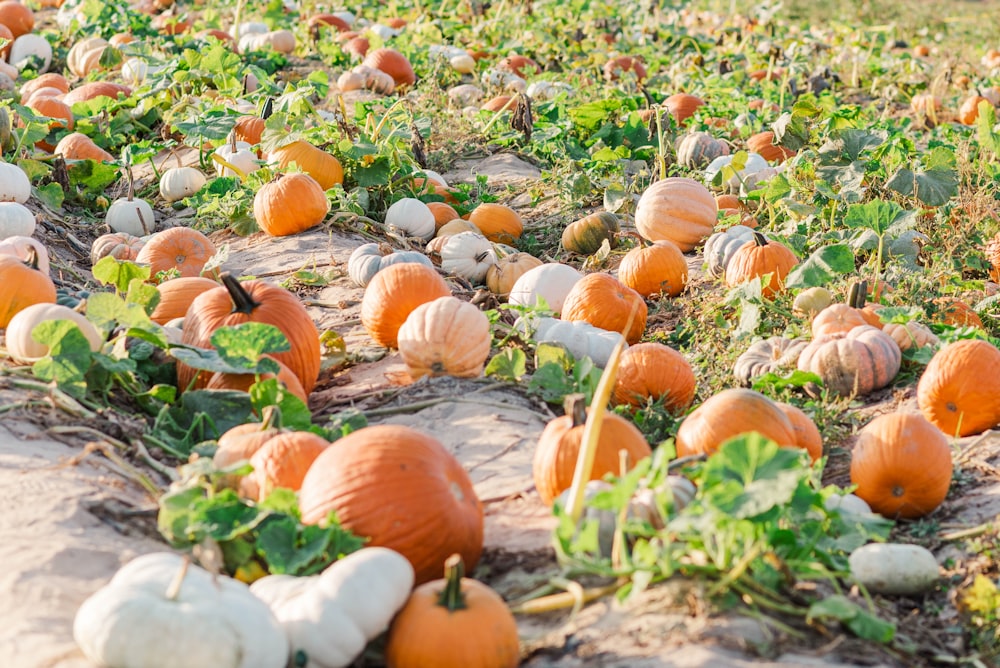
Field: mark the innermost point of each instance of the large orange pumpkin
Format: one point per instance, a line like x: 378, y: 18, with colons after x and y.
x: 676, y: 209
x: 654, y: 371
x: 181, y: 248
x: 289, y: 204
x: 315, y: 162
x: 759, y: 258
x: 242, y: 382
x: 959, y: 391
x: 853, y: 363
x: 559, y: 447
x: 424, y: 506
x: 176, y: 296
x: 603, y: 301
x: 656, y: 269
x: 498, y: 223
x: 728, y: 414
x: 901, y: 465
x: 22, y: 284
x: 235, y: 303
x: 393, y: 294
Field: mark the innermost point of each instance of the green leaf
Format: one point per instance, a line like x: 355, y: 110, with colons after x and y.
x: 984, y: 127
x: 771, y: 381
x: 934, y: 187
x: 51, y: 195
x: 791, y: 131
x: 294, y: 413
x: 551, y: 383
x: 848, y: 144
x: 200, y: 415
x: 509, y: 364
x: 860, y: 622
x: 823, y: 266
x: 92, y: 176
x: 118, y: 273
x: 108, y: 310
x: 69, y: 356
x: 552, y: 352
x: 877, y: 215
x: 375, y: 174
x: 243, y: 345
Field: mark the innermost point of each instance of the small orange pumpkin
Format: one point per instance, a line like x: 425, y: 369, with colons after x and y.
x: 315, y: 162
x: 656, y: 269
x: 289, y: 204
x: 78, y: 146
x: 500, y: 277
x: 242, y: 382
x: 281, y: 461
x: 181, y: 248
x: 603, y: 301
x: 761, y: 257
x: 763, y: 144
x: 901, y: 465
x: 654, y: 371
x: 393, y: 294
x: 498, y: 223
x: 682, y: 106
x: 958, y: 390
x: 806, y: 432
x: 22, y: 284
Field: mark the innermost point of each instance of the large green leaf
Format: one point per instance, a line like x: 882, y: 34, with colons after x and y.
x: 822, y: 267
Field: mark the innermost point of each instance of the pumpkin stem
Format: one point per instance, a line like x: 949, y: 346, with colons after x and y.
x: 142, y: 220
x: 575, y: 405
x: 759, y: 239
x: 31, y: 258
x: 452, y: 597
x: 268, y: 108
x: 131, y: 183
x: 174, y: 589
x: 242, y: 301
x: 856, y: 294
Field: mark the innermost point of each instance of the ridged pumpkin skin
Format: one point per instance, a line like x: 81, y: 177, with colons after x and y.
x: 653, y: 370
x: 697, y: 149
x: 902, y: 465
x: 721, y: 246
x: 424, y: 507
x: 853, y: 363
x: 369, y: 259
x: 837, y: 318
x: 235, y: 303
x: 498, y: 223
x: 479, y: 631
x: 758, y: 258
x: 559, y: 446
x: 656, y: 269
x: 774, y: 355
x: 603, y: 301
x: 676, y: 209
x: 119, y: 245
x: 315, y: 162
x: 21, y: 285
x: 500, y: 277
x: 952, y: 311
x: 290, y: 204
x: 176, y: 296
x: 728, y: 414
x: 959, y: 391
x: 180, y: 248
x: 243, y: 381
x: 282, y: 461
x: 806, y: 432
x: 393, y: 294
x: 586, y: 235
x: 445, y: 337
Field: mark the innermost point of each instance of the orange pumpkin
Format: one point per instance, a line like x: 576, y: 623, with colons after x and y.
x: 676, y: 209
x: 242, y: 382
x: 47, y: 80
x: 393, y: 294
x: 806, y: 432
x: 763, y: 144
x: 332, y: 20
x: 58, y: 111
x: 614, y: 68
x: 443, y: 213
x: 656, y: 269
x: 22, y: 284
x: 968, y: 113
x: 761, y: 257
x: 728, y: 414
x: 281, y: 461
x: 445, y: 337
x: 78, y: 146
x: 234, y: 303
x: 290, y: 204
x: 239, y: 443
x: 500, y: 277
x: 837, y: 318
x: 95, y: 89
x: 181, y: 248
x: 18, y: 18
x: 559, y: 446
x: 682, y: 106
x: 425, y: 508
x: 953, y: 311
x: 901, y: 465
x: 315, y: 162
x: 498, y: 223
x: 393, y: 63
x: 654, y: 371
x: 176, y: 296
x: 456, y: 622
x: 958, y: 390
x: 603, y: 301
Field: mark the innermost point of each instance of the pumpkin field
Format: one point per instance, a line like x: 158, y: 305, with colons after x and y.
x: 482, y: 334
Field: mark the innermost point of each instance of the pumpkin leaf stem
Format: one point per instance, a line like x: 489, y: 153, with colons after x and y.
x: 452, y: 597
x: 242, y: 302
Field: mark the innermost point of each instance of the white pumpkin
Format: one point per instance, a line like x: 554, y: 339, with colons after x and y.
x: 468, y: 255
x: 754, y: 163
x: 412, y: 217
x: 330, y: 617
x: 153, y: 614
x: 16, y: 220
x: 463, y: 63
x: 551, y: 281
x: 131, y: 215
x: 237, y: 154
x: 580, y: 338
x: 25, y: 349
x: 14, y: 184
x: 21, y: 247
x: 253, y: 28
x: 180, y: 182
x: 464, y: 95
x: 894, y: 568
x: 282, y: 41
x: 848, y: 504
x: 31, y: 51
x: 135, y: 70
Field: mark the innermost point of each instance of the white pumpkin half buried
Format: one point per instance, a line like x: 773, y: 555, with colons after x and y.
x: 330, y: 617
x: 159, y: 611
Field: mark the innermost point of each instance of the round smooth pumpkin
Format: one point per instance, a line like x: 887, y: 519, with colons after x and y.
x: 654, y: 371
x: 176, y: 248
x: 393, y: 63
x: 21, y: 285
x: 315, y: 162
x: 282, y: 461
x: 605, y: 302
x: 289, y: 204
x: 550, y: 282
x: 806, y: 432
x: 959, y: 390
x: 497, y: 222
x: 23, y: 348
x: 426, y: 508
x: 657, y: 269
x: 759, y: 258
x: 393, y: 294
x: 676, y: 209
x: 242, y: 382
x: 78, y: 146
x: 901, y: 465
x: 585, y: 236
x: 176, y: 296
x: 728, y: 414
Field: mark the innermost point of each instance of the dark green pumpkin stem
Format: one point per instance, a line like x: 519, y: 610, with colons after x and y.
x: 856, y: 294
x: 452, y: 597
x: 242, y: 301
x: 268, y: 109
x: 759, y: 239
x: 575, y: 405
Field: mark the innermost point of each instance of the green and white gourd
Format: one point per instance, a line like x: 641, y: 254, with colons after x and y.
x: 369, y: 259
